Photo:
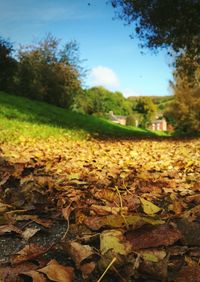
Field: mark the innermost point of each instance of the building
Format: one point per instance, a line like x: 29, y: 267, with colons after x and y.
x: 117, y: 119
x: 159, y: 124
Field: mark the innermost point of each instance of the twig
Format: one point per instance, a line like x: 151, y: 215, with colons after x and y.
x: 120, y: 197
x: 121, y: 205
x: 106, y: 270
x: 64, y: 236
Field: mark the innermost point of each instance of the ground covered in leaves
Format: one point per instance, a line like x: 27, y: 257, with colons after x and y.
x: 100, y: 211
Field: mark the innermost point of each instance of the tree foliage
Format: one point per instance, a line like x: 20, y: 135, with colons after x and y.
x: 98, y: 100
x: 8, y: 65
x: 145, y: 109
x: 49, y: 73
x: 161, y: 23
x: 185, y: 110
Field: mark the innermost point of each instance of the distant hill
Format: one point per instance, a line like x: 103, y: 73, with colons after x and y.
x: 23, y: 118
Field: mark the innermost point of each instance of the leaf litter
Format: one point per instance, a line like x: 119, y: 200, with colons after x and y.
x: 100, y: 211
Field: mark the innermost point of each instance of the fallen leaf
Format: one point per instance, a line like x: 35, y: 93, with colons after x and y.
x: 188, y: 274
x: 196, y: 186
x: 107, y: 194
x: 149, y: 237
x: 41, y: 221
x: 82, y: 256
x: 87, y: 269
x: 57, y: 272
x: 154, y: 270
x: 67, y: 211
x: 9, y: 229
x: 117, y: 221
x: 190, y: 232
x: 192, y: 214
x: 29, y: 252
x: 148, y: 207
x: 153, y: 255
x: 194, y: 198
x: 4, y: 207
x: 105, y: 210
x: 36, y: 276
x: 29, y: 232
x: 8, y: 273
x: 114, y: 240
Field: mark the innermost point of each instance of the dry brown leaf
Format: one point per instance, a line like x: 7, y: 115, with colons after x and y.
x: 192, y: 214
x: 67, y: 211
x: 79, y: 253
x: 87, y: 269
x: 177, y: 207
x: 4, y: 207
x: 194, y: 198
x: 36, y: 276
x: 188, y: 274
x: 106, y: 210
x: 196, y: 186
x: 57, y: 272
x: 149, y: 237
x: 106, y: 194
x: 44, y: 222
x: 9, y: 229
x: 190, y: 232
x: 29, y: 232
x: 8, y: 273
x: 155, y: 271
x: 29, y: 252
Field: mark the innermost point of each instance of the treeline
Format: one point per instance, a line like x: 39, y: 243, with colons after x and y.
x: 51, y: 72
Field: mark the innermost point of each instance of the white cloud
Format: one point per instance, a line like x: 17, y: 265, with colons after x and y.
x: 104, y: 76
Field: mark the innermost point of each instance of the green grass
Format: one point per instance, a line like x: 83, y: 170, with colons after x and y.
x: 23, y: 118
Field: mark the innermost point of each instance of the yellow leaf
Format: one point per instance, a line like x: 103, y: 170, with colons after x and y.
x: 152, y: 255
x: 113, y: 240
x: 148, y: 207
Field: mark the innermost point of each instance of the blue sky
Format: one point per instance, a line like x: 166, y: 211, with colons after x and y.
x: 112, y: 58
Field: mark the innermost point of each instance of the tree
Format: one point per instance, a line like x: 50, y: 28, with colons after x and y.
x: 185, y: 110
x: 47, y: 73
x: 167, y: 23
x: 145, y: 107
x: 100, y: 100
x: 8, y: 65
x: 134, y: 119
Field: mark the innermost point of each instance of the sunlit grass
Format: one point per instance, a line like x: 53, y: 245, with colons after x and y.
x: 23, y: 118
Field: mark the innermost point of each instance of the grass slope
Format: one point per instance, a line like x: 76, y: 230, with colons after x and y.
x: 23, y: 118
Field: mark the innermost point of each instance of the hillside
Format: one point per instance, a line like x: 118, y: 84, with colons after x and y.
x: 161, y: 101
x: 23, y: 118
